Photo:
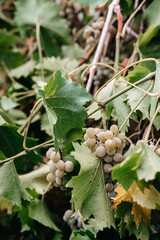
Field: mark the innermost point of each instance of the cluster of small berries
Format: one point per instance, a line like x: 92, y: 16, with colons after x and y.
x: 74, y: 221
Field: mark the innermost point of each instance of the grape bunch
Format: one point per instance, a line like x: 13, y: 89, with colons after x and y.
x: 157, y: 150
x: 70, y: 13
x: 58, y: 168
x: 92, y: 33
x: 107, y: 145
x: 73, y: 222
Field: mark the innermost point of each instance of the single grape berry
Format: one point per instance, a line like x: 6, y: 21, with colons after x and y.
x: 118, y: 157
x: 48, y: 153
x: 52, y: 167
x: 59, y: 173
x: 114, y: 128
x: 107, y: 168
x: 97, y: 130
x: 51, y: 177
x: 101, y: 136
x: 110, y: 144
x: 60, y: 165
x: 112, y: 194
x: 117, y: 141
x: 109, y: 187
x: 108, y: 134
x: 85, y: 137
x: 121, y: 136
x: 68, y: 166
x: 55, y: 156
x: 59, y: 181
x: 111, y: 152
x: 91, y: 142
x: 67, y: 215
x: 108, y: 159
x: 100, y: 151
x: 90, y: 132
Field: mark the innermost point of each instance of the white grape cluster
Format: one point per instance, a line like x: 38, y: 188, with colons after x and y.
x: 58, y: 168
x: 157, y: 150
x: 92, y: 33
x: 107, y: 145
x: 74, y: 221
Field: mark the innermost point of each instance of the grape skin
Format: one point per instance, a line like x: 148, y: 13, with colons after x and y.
x: 51, y: 177
x: 67, y: 215
x: 107, y: 168
x: 59, y: 173
x: 118, y: 157
x: 90, y: 132
x: 109, y: 187
x: 60, y: 165
x: 55, y: 157
x: 110, y: 144
x: 121, y: 136
x: 68, y: 166
x: 52, y: 167
x: 117, y: 141
x: 108, y: 135
x: 114, y: 128
x: 108, y: 159
x: 101, y: 136
x: 111, y: 152
x: 100, y: 151
x: 91, y: 142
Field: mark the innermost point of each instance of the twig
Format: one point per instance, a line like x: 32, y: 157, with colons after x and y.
x: 101, y: 43
x: 156, y: 145
x: 7, y: 72
x: 6, y: 115
x: 131, y: 32
x: 39, y: 48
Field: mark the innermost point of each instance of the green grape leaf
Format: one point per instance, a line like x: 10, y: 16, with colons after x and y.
x: 89, y: 187
x: 41, y: 214
x: 142, y: 164
x: 138, y: 73
x: 7, y: 103
x: 36, y: 179
x: 12, y: 144
x: 23, y: 70
x: 90, y: 3
x: 65, y: 100
x: 44, y: 13
x: 11, y: 187
x: 151, y: 14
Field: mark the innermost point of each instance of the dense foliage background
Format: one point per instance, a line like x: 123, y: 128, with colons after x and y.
x: 66, y: 66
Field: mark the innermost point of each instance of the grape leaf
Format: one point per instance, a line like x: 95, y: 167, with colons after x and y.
x: 65, y: 99
x: 151, y: 13
x: 36, y: 179
x: 89, y: 187
x: 44, y: 13
x: 90, y: 3
x: 23, y: 70
x: 11, y: 187
x: 12, y: 144
x: 41, y: 214
x: 8, y: 103
x: 142, y: 164
x: 6, y: 205
x: 138, y: 73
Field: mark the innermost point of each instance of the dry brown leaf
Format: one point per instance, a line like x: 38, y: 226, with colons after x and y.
x: 140, y: 212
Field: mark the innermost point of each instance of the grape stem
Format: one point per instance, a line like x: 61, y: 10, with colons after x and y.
x: 148, y: 77
x: 156, y: 145
x: 101, y: 43
x: 5, y: 115
x: 8, y: 72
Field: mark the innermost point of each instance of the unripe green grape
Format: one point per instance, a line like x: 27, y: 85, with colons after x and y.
x: 67, y: 215
x: 68, y: 166
x: 85, y: 137
x: 100, y: 151
x: 108, y: 159
x: 60, y: 165
x: 112, y: 194
x: 59, y: 181
x: 109, y: 187
x: 50, y: 177
x: 158, y: 151
x: 91, y: 142
x: 117, y: 141
x: 55, y: 157
x: 108, y: 135
x: 101, y: 136
x: 52, y: 167
x: 118, y: 157
x: 110, y: 144
x: 107, y: 168
x: 90, y: 132
x: 97, y: 130
x: 121, y: 136
x: 59, y: 173
x: 114, y: 128
x: 111, y: 152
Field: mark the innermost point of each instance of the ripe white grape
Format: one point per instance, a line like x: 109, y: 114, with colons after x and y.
x: 108, y: 135
x: 107, y: 168
x: 158, y: 151
x: 91, y: 142
x: 100, y: 24
x: 109, y: 187
x: 90, y: 40
x: 52, y: 167
x: 117, y: 141
x: 101, y: 137
x: 67, y: 215
x: 122, y: 146
x: 55, y: 157
x: 97, y: 33
x: 97, y: 130
x: 110, y: 144
x: 59, y: 173
x: 95, y: 25
x: 100, y: 151
x: 108, y: 159
x: 112, y: 194
x: 118, y: 157
x: 68, y: 166
x: 90, y: 132
x: 87, y: 33
x: 51, y: 177
x: 111, y: 152
x: 60, y: 165
x: 59, y: 181
x: 114, y: 128
x: 85, y: 137
x: 121, y: 136
x: 48, y: 153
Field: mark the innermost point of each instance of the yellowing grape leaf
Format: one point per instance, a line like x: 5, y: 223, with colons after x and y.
x: 140, y: 212
x: 6, y: 205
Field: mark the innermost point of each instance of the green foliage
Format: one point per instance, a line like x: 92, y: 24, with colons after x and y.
x: 11, y: 187
x: 23, y: 70
x: 32, y: 12
x: 64, y: 100
x: 90, y: 3
x: 88, y: 188
x: 151, y: 13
